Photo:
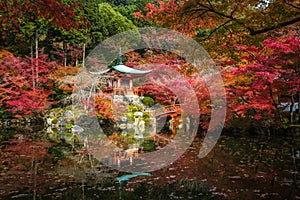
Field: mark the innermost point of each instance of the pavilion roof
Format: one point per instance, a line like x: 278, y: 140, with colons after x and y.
x: 123, y: 69
x: 129, y: 70
x: 120, y: 67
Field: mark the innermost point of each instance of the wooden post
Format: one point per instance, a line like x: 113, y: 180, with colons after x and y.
x: 130, y: 84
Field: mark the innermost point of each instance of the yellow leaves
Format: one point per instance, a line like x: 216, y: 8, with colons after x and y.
x: 243, y: 63
x: 65, y: 77
x: 243, y: 80
x: 236, y: 80
x: 5, y: 54
x: 62, y: 71
x: 103, y: 100
x: 290, y: 62
x: 66, y: 88
x: 103, y: 106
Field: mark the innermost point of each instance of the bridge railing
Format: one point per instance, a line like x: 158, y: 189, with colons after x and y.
x: 167, y: 109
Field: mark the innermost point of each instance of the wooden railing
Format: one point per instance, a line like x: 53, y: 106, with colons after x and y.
x: 167, y: 110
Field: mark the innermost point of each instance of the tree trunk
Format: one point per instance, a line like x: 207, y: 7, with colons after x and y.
x: 278, y: 108
x: 36, y: 57
x: 292, y: 109
x: 65, y: 53
x: 36, y: 43
x: 32, y: 64
x: 298, y: 95
x: 83, y: 56
x: 31, y: 49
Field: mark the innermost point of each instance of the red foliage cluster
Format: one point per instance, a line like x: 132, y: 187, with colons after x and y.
x: 263, y: 75
x: 160, y: 94
x: 25, y: 84
x: 254, y: 84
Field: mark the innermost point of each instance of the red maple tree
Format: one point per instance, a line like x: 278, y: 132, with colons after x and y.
x: 265, y: 75
x: 17, y: 92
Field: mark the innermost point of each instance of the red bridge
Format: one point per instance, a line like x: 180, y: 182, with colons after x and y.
x: 172, y: 110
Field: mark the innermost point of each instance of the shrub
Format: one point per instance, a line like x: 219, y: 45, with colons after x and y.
x: 148, y: 101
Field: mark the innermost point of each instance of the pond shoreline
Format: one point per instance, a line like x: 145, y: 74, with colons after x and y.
x: 38, y: 122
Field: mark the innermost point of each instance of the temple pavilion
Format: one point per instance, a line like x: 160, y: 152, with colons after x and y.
x: 121, y: 78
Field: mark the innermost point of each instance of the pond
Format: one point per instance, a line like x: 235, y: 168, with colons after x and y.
x: 32, y: 167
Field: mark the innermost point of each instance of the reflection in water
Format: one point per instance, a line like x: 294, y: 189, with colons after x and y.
x: 136, y: 141
x: 238, y: 167
x: 126, y: 178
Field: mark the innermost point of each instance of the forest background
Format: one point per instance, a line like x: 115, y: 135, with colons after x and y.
x: 254, y: 43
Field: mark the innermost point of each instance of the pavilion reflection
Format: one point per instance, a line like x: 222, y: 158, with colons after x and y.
x: 141, y: 141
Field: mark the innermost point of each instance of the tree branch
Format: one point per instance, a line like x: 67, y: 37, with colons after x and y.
x: 211, y: 9
x: 219, y: 27
x: 291, y: 5
x: 279, y: 25
x: 234, y: 9
x: 210, y: 4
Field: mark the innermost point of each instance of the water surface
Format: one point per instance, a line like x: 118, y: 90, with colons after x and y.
x: 237, y: 168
